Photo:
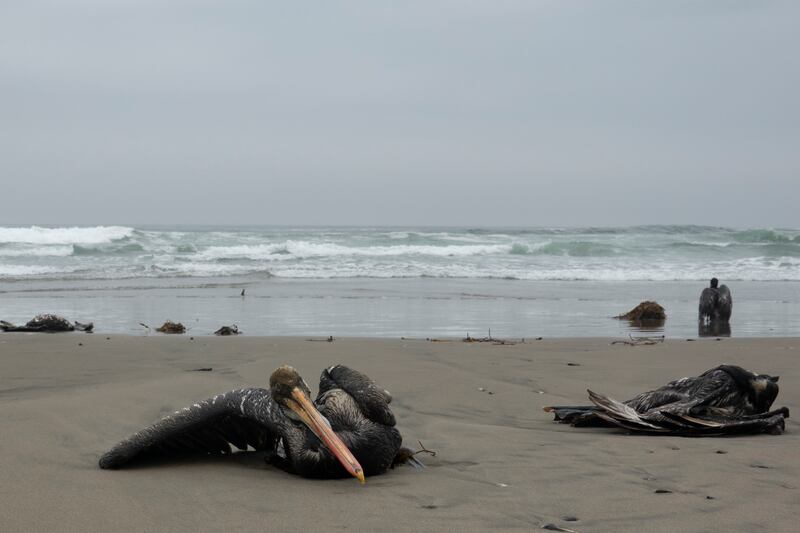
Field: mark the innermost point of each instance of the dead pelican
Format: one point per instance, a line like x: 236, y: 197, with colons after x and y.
x: 348, y: 430
x: 724, y: 400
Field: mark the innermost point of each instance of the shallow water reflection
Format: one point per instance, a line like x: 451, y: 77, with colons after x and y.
x: 648, y: 326
x: 714, y: 329
x: 418, y: 308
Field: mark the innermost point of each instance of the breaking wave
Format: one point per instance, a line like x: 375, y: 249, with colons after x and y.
x: 73, y: 235
x: 636, y: 253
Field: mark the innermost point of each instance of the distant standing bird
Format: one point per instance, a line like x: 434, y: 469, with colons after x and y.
x: 716, y: 303
x: 721, y: 401
x: 348, y: 430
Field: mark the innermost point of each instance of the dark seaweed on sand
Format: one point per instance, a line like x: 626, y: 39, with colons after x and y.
x: 172, y: 327
x: 47, y: 323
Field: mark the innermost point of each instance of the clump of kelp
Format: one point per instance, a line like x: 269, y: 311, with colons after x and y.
x: 47, y: 323
x: 172, y: 327
x: 644, y: 311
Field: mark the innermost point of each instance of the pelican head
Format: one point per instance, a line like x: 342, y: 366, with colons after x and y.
x: 765, y: 389
x: 290, y: 390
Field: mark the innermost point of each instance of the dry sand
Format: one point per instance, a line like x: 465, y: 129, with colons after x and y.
x: 502, y: 464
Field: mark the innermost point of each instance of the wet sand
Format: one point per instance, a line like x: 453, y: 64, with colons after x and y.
x: 501, y: 463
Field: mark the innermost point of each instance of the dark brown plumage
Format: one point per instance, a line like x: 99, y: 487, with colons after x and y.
x: 716, y: 303
x: 275, y: 421
x: 723, y: 400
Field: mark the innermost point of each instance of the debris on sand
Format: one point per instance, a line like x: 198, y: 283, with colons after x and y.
x: 172, y: 327
x: 228, y: 330
x: 640, y: 341
x: 644, y: 311
x: 84, y: 327
x: 47, y: 323
x: 490, y: 339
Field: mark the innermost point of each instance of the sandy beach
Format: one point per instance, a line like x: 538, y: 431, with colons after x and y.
x: 501, y: 463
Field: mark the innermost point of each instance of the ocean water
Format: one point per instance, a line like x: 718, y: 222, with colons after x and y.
x: 417, y: 282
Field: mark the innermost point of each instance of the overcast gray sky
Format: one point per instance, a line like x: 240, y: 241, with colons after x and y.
x: 399, y: 113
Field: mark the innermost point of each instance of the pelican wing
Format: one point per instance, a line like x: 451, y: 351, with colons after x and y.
x: 618, y: 413
x: 708, y: 301
x: 372, y: 400
x: 207, y: 427
x: 701, y: 427
x: 676, y: 420
x: 724, y: 303
x: 681, y: 396
x: 573, y: 414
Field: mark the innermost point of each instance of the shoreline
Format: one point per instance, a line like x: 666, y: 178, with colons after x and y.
x: 413, y: 308
x: 501, y: 462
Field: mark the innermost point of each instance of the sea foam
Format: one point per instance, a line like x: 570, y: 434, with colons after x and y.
x: 657, y: 253
x: 73, y: 235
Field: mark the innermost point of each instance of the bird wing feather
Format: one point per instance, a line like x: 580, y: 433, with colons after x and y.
x: 372, y: 400
x: 616, y: 411
x: 207, y: 427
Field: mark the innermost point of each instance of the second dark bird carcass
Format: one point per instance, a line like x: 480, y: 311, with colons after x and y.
x: 724, y: 400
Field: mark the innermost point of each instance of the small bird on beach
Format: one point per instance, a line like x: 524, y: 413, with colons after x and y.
x: 716, y: 303
x: 724, y: 400
x: 348, y: 430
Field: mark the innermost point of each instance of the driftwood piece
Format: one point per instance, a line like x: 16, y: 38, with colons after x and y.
x: 407, y: 456
x: 172, y: 327
x: 640, y: 341
x: 644, y: 311
x: 489, y: 338
x: 329, y: 339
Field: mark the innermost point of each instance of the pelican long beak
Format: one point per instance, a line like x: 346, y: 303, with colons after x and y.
x: 314, y: 420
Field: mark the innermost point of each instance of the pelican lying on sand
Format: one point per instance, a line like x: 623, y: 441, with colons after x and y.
x: 348, y: 430
x: 722, y: 401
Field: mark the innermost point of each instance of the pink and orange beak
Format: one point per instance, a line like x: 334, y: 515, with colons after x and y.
x: 300, y: 404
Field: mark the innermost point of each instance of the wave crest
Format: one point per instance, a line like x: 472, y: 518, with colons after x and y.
x: 73, y: 235
x: 305, y: 250
x: 77, y: 249
x: 765, y: 236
